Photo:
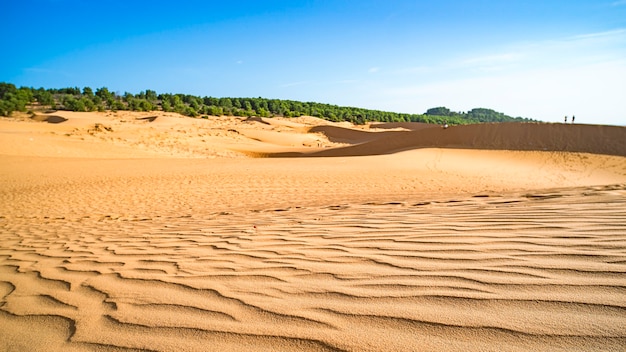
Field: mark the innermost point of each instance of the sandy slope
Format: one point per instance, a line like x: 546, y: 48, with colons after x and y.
x: 151, y: 231
x: 595, y: 139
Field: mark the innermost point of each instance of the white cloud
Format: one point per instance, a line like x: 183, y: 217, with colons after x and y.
x: 373, y: 69
x: 491, y: 59
x: 584, y: 48
x: 617, y: 33
x: 294, y: 84
x: 416, y: 70
x: 594, y: 93
x: 584, y: 75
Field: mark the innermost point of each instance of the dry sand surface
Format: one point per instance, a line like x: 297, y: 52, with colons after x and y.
x: 150, y: 231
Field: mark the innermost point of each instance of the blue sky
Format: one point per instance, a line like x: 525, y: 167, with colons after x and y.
x: 538, y: 59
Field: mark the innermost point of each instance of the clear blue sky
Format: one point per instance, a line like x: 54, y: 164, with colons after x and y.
x: 541, y: 59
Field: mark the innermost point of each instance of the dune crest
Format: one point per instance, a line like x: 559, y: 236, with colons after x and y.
x: 595, y: 139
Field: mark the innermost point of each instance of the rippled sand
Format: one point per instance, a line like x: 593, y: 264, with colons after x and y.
x: 425, y: 250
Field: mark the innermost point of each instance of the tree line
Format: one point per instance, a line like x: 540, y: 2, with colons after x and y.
x: 86, y: 99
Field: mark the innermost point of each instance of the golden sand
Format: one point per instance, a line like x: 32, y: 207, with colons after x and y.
x: 150, y: 231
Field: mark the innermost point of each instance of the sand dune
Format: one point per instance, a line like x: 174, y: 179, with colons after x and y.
x: 351, y: 136
x: 594, y: 139
x: 411, y: 126
x: 154, y: 232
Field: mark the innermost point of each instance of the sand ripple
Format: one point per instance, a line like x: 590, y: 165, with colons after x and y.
x: 542, y: 271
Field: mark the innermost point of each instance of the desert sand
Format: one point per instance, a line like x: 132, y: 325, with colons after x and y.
x: 151, y: 231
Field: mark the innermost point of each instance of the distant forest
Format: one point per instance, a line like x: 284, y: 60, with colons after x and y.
x: 75, y: 99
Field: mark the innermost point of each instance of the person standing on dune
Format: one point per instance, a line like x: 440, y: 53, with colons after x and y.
x: 573, y: 117
x: 565, y: 118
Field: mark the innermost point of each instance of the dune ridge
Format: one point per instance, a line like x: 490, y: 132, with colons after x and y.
x: 152, y: 232
x: 595, y: 139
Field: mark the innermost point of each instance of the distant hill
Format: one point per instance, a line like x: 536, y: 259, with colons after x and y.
x: 475, y: 115
x: 86, y: 99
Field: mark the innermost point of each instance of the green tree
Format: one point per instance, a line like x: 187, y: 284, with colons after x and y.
x: 104, y: 93
x: 211, y: 101
x: 73, y: 104
x: 8, y: 92
x: 189, y: 111
x: 439, y: 111
x: 44, y: 97
x: 13, y: 99
x: 151, y: 95
x: 166, y: 106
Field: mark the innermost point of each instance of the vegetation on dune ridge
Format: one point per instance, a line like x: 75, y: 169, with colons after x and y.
x: 76, y: 99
